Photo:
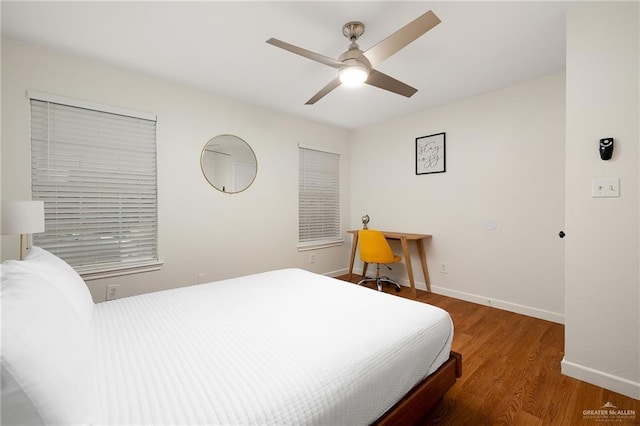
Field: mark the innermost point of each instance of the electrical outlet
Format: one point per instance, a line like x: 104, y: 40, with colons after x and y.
x: 202, y: 278
x: 312, y: 258
x: 444, y: 268
x: 113, y: 291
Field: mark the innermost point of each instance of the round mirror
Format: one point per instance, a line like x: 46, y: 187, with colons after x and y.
x: 228, y: 163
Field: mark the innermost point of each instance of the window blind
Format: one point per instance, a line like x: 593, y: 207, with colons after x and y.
x: 96, y: 173
x: 318, y: 198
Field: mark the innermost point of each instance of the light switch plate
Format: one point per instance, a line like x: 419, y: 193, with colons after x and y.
x: 605, y: 187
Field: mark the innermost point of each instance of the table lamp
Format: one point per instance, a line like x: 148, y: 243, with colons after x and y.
x: 22, y: 217
x: 365, y: 220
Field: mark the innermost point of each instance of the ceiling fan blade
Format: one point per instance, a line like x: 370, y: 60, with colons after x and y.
x: 304, y: 52
x: 383, y: 81
x: 401, y: 38
x: 324, y: 91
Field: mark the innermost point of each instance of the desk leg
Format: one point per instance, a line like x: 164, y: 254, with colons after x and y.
x: 354, y: 244
x: 423, y: 260
x: 407, y: 261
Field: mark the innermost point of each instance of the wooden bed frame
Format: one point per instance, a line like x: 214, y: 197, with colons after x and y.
x: 421, y: 399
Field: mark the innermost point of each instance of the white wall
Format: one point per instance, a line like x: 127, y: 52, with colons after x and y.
x: 201, y: 230
x: 504, y: 162
x: 1, y: 198
x: 602, y: 343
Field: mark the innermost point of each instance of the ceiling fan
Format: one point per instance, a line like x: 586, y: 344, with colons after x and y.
x: 357, y: 67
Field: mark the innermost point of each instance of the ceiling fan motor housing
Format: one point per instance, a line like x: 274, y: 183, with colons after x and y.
x: 354, y: 57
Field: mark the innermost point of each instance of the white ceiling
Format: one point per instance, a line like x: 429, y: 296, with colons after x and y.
x: 220, y: 47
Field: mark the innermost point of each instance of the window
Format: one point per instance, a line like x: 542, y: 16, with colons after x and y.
x: 319, y: 199
x: 95, y: 169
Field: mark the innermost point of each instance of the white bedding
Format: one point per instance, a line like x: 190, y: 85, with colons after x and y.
x: 282, y: 347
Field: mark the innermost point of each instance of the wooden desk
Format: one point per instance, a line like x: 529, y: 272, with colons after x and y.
x: 404, y: 240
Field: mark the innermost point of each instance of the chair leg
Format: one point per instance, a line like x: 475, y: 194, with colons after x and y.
x: 380, y: 280
x: 375, y: 279
x: 390, y: 281
x: 365, y: 280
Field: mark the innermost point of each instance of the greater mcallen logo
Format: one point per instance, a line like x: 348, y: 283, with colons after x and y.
x: 609, y: 413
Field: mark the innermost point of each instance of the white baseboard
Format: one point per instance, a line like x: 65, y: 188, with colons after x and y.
x: 501, y: 304
x: 601, y: 379
x: 337, y: 273
x: 487, y: 301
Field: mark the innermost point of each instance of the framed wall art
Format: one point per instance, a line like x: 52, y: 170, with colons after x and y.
x: 430, y: 154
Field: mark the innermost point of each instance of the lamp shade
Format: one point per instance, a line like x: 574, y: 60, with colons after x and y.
x: 22, y: 217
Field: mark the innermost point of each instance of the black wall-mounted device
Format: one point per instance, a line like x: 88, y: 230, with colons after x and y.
x: 606, y: 148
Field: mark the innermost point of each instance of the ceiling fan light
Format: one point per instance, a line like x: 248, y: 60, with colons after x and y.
x: 353, y: 75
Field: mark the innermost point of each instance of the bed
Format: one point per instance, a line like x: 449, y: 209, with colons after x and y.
x: 279, y: 347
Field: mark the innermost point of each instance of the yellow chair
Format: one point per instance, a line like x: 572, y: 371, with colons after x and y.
x: 374, y: 248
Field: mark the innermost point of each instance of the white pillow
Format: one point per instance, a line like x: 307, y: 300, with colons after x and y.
x: 63, y: 277
x: 48, y: 371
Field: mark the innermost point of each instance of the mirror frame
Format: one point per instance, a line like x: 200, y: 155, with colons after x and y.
x: 210, y: 180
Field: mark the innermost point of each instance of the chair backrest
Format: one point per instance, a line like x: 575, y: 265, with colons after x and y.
x: 374, y: 247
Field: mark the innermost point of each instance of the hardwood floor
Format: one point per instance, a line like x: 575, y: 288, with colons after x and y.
x: 511, y: 373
